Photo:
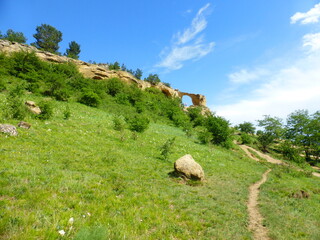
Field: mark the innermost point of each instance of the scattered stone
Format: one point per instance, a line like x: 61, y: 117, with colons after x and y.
x: 33, y: 107
x: 300, y: 194
x: 25, y: 125
x: 9, y: 129
x: 189, y: 168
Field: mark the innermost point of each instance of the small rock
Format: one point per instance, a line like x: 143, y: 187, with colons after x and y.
x: 25, y: 125
x: 9, y: 129
x: 33, y: 107
x: 189, y: 168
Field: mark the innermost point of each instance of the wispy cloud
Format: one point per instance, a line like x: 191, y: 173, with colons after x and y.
x: 187, y: 45
x: 288, y: 89
x: 312, y: 16
x: 312, y: 40
x: 281, y: 88
x: 244, y: 76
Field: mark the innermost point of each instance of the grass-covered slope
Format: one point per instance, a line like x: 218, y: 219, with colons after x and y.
x: 80, y: 168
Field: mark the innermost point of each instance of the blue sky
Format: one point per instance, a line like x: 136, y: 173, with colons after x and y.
x: 249, y: 58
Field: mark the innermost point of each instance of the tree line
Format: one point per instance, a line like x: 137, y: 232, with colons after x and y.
x: 298, y: 139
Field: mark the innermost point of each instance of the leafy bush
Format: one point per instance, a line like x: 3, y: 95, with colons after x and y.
x: 115, y: 86
x: 46, y: 110
x: 153, y: 79
x: 245, y: 138
x: 290, y: 152
x: 166, y: 148
x: 138, y: 123
x: 204, y: 136
x: 219, y: 128
x: 118, y: 124
x: 90, y: 98
x: 66, y: 113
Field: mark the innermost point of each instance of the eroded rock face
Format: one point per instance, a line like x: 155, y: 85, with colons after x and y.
x: 189, y: 168
x: 100, y: 71
x: 9, y: 129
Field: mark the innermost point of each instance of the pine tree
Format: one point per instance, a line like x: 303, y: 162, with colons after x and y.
x: 73, y: 51
x: 47, y: 38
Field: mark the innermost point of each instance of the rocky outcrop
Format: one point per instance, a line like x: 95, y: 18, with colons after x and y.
x: 189, y: 168
x: 100, y: 71
x: 24, y: 125
x: 8, y: 129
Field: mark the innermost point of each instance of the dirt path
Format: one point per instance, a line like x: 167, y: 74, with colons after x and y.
x: 259, y: 231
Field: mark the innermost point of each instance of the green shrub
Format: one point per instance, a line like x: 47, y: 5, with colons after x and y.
x: 115, y: 86
x: 245, y: 138
x: 138, y: 123
x: 122, y: 98
x: 219, y: 128
x: 204, y: 136
x: 166, y: 148
x: 90, y: 98
x: 66, y: 113
x: 118, y: 124
x: 290, y: 152
x: 46, y: 110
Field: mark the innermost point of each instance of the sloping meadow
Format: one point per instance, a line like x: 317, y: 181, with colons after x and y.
x: 81, y: 179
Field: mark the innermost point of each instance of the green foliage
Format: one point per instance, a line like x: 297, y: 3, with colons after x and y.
x: 114, y: 86
x: 66, y: 113
x: 246, y: 127
x: 90, y: 98
x: 245, y: 138
x: 204, y: 136
x: 138, y: 123
x: 14, y: 36
x: 138, y: 73
x: 167, y: 84
x: 153, y: 79
x: 114, y: 66
x: 219, y: 128
x: 195, y: 116
x: 290, y: 152
x: 47, y: 38
x: 272, y: 129
x: 16, y: 108
x: 73, y: 51
x: 46, y: 110
x: 166, y: 148
x: 118, y: 124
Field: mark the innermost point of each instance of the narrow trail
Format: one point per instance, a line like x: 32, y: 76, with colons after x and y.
x: 259, y: 231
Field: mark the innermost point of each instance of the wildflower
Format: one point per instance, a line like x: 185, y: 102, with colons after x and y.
x: 71, y: 220
x: 62, y: 232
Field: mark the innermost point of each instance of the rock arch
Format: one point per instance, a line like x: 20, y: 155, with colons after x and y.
x: 197, y: 99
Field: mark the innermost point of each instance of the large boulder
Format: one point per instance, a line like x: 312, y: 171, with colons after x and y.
x: 189, y: 168
x: 9, y: 129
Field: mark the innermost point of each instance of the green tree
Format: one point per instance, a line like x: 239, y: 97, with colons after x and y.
x: 138, y: 73
x: 73, y: 51
x: 14, y: 36
x: 247, y: 127
x: 47, y: 38
x: 272, y: 129
x: 153, y: 79
x: 302, y: 130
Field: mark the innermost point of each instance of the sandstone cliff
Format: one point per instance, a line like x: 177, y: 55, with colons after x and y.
x: 96, y: 71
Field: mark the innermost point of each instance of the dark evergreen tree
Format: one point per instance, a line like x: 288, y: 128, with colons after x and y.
x: 138, y: 73
x: 47, y: 38
x: 73, y: 51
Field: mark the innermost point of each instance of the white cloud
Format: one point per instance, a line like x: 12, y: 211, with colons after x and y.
x: 312, y: 40
x: 199, y: 23
x: 187, y: 45
x: 289, y: 89
x: 244, y: 76
x: 177, y: 55
x: 312, y: 16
